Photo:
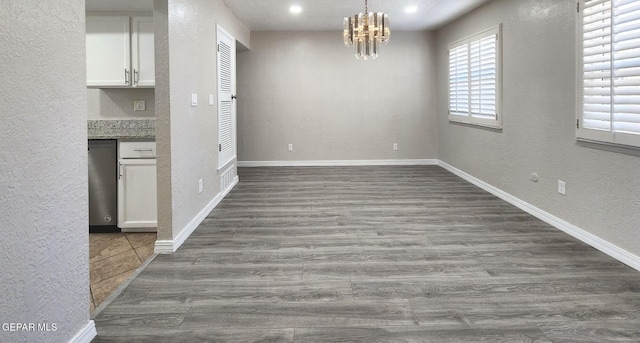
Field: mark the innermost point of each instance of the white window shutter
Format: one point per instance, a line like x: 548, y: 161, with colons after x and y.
x: 483, y: 77
x: 459, y: 80
x: 474, y: 79
x: 596, y: 47
x: 626, y: 67
x: 610, y: 71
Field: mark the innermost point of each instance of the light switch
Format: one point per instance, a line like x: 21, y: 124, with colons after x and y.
x: 562, y: 187
x: 139, y: 105
x: 210, y: 99
x: 194, y: 100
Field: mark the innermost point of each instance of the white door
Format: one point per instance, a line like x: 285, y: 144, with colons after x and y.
x: 108, y: 51
x: 226, y: 96
x: 142, y: 52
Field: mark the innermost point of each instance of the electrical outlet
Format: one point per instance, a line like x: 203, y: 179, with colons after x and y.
x: 534, y: 177
x: 194, y: 100
x: 290, y: 147
x: 211, y: 102
x: 562, y: 187
x: 200, y: 186
x: 395, y: 146
x: 139, y: 105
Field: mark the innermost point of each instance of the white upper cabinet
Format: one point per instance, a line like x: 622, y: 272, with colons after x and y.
x: 142, y: 52
x: 120, y: 51
x: 108, y: 51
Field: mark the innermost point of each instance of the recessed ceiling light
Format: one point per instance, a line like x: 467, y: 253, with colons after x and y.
x: 411, y: 9
x: 295, y: 9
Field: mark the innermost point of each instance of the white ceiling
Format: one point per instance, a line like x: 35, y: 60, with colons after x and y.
x: 119, y: 5
x: 318, y: 15
x: 326, y: 15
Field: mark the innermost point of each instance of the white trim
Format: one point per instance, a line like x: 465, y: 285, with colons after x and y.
x: 338, y: 163
x: 86, y: 335
x: 608, y: 248
x: 228, y: 163
x: 164, y: 247
x: 171, y: 246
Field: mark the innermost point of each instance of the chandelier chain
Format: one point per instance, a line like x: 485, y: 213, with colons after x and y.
x: 366, y: 6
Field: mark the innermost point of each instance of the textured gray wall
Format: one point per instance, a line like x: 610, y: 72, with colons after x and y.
x: 163, y: 118
x: 307, y: 89
x: 117, y: 103
x: 186, y: 136
x: 44, y: 258
x: 603, y: 188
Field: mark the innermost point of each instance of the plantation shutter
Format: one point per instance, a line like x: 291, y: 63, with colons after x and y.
x: 474, y: 79
x: 610, y: 106
x: 483, y: 77
x: 459, y: 80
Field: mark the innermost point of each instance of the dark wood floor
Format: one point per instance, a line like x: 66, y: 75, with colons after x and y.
x: 374, y: 254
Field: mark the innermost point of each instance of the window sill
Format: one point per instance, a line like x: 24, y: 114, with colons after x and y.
x: 491, y: 124
x: 608, y: 146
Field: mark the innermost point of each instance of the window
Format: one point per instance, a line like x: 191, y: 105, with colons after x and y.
x: 609, y: 71
x: 474, y: 79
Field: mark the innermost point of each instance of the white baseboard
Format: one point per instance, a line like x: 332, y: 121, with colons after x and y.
x: 170, y: 246
x: 164, y: 247
x: 604, y: 246
x: 338, y: 163
x: 86, y: 335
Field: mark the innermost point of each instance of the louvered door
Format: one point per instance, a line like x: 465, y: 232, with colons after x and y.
x: 226, y: 106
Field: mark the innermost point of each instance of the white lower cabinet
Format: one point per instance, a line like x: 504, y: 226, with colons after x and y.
x: 137, y: 190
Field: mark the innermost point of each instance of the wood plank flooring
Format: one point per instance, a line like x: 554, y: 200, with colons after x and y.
x: 374, y: 254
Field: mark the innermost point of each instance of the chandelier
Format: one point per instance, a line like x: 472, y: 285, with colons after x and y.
x: 366, y: 31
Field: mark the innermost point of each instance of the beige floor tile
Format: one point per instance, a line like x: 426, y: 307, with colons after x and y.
x: 139, y: 239
x: 113, y: 258
x: 101, y: 290
x: 105, y: 245
x: 115, y: 265
x: 144, y: 252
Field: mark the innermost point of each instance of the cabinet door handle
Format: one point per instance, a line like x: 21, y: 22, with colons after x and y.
x: 141, y: 150
x: 119, y: 170
x: 126, y: 76
x: 135, y: 77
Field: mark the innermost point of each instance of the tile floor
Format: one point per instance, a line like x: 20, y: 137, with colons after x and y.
x: 113, y: 258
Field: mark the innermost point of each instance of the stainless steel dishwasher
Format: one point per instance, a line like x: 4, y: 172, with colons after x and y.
x: 103, y: 185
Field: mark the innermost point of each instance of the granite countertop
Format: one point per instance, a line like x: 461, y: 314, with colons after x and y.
x: 122, y: 129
